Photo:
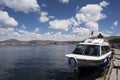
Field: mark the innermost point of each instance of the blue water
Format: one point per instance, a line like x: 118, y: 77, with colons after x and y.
x: 46, y: 62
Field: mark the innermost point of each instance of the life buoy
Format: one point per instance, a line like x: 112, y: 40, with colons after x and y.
x: 72, y: 62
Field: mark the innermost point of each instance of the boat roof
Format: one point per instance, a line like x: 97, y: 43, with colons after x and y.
x: 100, y: 42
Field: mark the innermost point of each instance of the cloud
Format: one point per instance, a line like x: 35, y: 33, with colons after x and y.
x: 87, y: 17
x: 23, y: 35
x: 104, y: 4
x: 115, y: 24
x: 37, y: 30
x: 7, y: 33
x: 51, y: 17
x: 90, y: 12
x: 23, y: 27
x: 74, y: 22
x: 43, y: 17
x: 108, y: 32
x: 81, y: 31
x: 44, y: 5
x: 25, y: 6
x: 64, y: 1
x: 93, y: 26
x: 6, y: 20
x: 60, y: 25
x: 63, y: 24
x: 58, y: 36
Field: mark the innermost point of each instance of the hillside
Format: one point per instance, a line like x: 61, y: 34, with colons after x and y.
x: 112, y: 40
x: 35, y: 42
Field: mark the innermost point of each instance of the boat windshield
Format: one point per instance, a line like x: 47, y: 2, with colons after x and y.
x: 90, y: 50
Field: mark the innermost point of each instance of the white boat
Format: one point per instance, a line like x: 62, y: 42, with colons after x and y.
x: 92, y: 52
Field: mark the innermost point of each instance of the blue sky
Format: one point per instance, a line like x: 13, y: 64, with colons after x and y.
x: 58, y: 19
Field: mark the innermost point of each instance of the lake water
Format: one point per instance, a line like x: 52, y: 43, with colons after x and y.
x: 46, y: 62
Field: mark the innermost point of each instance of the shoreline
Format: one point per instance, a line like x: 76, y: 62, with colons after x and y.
x: 36, y: 42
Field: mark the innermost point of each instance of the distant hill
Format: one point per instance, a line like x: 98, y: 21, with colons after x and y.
x: 115, y: 40
x: 112, y: 37
x: 35, y: 42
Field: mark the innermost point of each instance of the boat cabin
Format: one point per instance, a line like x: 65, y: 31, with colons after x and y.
x: 96, y: 47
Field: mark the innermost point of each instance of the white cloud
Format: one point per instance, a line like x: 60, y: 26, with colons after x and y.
x: 6, y: 20
x: 108, y: 32
x: 90, y: 12
x: 43, y: 17
x: 37, y: 30
x: 44, y: 5
x: 104, y: 4
x: 74, y: 22
x: 62, y: 37
x: 60, y: 25
x: 23, y: 35
x: 25, y: 6
x: 51, y: 17
x: 64, y: 1
x: 88, y: 17
x: 6, y: 33
x: 44, y: 13
x: 93, y: 26
x: 115, y: 23
x: 23, y: 27
x: 81, y: 31
x: 63, y: 24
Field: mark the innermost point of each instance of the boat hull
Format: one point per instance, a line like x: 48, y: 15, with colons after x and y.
x: 88, y: 61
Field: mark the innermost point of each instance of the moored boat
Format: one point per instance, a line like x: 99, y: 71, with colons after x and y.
x: 90, y: 53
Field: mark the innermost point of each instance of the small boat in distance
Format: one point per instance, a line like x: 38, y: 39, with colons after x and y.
x: 90, y: 53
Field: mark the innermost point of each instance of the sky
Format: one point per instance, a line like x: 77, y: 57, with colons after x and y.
x: 59, y: 20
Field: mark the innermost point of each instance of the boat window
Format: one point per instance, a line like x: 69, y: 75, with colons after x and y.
x: 90, y: 50
x: 105, y: 49
x: 79, y: 49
